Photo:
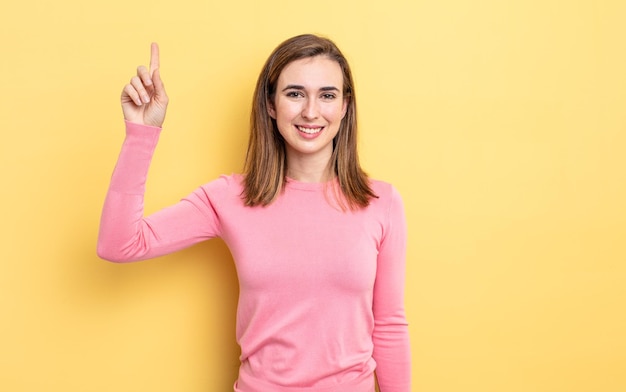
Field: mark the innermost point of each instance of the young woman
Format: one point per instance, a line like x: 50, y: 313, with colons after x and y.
x: 319, y: 247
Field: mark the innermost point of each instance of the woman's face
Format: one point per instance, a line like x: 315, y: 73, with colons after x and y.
x: 308, y: 106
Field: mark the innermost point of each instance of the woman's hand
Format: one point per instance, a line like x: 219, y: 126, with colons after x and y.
x: 144, y: 100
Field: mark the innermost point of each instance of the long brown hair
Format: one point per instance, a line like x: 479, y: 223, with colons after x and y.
x: 265, y: 166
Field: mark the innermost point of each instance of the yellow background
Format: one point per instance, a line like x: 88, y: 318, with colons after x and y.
x: 502, y: 123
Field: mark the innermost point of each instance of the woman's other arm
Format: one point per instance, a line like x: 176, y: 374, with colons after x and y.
x: 391, y: 335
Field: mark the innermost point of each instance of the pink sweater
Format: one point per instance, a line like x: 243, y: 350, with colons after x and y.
x: 321, y: 290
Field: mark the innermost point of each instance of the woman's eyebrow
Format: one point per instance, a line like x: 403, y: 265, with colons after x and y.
x: 299, y: 87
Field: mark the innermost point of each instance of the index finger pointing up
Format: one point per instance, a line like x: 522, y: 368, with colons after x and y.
x: 154, y: 57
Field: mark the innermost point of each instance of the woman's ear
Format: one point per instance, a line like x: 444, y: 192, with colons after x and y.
x: 271, y: 110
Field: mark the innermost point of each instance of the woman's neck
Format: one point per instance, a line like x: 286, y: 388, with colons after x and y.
x: 308, y: 169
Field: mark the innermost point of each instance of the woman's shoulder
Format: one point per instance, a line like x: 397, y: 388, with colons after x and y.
x: 225, y: 181
x: 224, y: 187
x: 387, y: 195
x: 382, y: 189
x: 388, y: 203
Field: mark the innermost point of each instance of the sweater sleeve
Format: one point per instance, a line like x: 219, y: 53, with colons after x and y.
x: 125, y: 234
x: 391, y: 337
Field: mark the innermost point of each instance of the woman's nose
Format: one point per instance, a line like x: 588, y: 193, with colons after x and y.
x: 310, y: 111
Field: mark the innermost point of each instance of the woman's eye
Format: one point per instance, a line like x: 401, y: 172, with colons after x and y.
x: 328, y: 96
x: 294, y: 94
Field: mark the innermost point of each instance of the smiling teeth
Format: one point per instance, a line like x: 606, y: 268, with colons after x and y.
x: 310, y: 131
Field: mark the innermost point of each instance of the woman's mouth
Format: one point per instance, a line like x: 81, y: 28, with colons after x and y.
x: 309, y: 130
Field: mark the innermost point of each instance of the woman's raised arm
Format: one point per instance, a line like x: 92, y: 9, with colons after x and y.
x: 125, y: 234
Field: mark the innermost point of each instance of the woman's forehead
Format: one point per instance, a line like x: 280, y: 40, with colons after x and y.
x: 318, y: 71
